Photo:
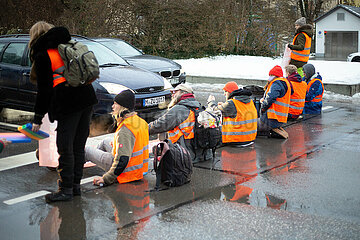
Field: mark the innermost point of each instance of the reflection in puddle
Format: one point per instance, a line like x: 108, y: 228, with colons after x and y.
x: 242, y: 194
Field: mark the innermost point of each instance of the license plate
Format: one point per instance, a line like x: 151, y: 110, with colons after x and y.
x: 154, y: 101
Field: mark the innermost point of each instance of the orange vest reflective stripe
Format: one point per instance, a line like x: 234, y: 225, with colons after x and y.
x: 280, y: 108
x: 318, y: 98
x: 303, y: 55
x: 243, y: 127
x: 186, y: 129
x: 139, y: 161
x: 57, y: 66
x: 297, y: 99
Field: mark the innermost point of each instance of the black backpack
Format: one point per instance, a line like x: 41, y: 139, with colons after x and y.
x: 172, y: 164
x: 206, y: 137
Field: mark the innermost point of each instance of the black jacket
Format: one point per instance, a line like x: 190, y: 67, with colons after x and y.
x: 62, y: 99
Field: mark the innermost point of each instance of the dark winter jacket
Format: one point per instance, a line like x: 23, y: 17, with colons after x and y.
x: 173, y: 118
x: 315, y: 90
x: 299, y: 43
x: 278, y: 90
x: 62, y: 99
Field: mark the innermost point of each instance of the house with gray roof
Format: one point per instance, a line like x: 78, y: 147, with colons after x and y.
x: 338, y: 32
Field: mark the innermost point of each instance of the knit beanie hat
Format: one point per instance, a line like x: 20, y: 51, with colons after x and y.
x: 276, y: 71
x: 301, y: 21
x: 230, y: 87
x: 309, y: 70
x: 126, y: 99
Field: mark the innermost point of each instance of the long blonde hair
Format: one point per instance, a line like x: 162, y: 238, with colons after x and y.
x: 37, y: 30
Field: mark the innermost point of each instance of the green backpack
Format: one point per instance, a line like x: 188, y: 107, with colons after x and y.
x: 81, y: 65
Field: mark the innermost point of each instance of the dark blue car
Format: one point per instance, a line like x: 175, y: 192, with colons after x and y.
x: 151, y: 90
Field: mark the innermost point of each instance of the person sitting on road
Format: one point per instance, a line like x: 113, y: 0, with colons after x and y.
x: 126, y: 158
x: 297, y: 99
x: 239, y: 125
x: 314, y: 92
x: 275, y: 104
x: 3, y: 143
x: 179, y: 120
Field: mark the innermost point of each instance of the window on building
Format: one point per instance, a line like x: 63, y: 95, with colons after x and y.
x: 341, y: 16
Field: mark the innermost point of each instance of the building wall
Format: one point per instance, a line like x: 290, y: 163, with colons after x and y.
x: 330, y: 23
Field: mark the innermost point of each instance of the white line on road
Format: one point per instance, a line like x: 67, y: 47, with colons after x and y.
x: 40, y: 193
x: 26, y: 197
x: 17, y: 161
x: 327, y: 107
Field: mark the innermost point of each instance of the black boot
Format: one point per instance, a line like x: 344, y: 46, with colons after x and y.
x: 76, y: 190
x: 62, y: 194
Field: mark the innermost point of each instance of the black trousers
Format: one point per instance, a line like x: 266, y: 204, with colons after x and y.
x: 72, y: 132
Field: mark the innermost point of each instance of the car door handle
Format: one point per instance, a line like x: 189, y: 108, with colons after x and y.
x: 26, y: 74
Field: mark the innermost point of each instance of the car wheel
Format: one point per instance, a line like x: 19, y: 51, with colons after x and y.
x: 356, y: 59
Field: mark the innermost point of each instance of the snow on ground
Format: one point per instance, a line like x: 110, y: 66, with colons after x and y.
x: 257, y: 68
x: 252, y: 67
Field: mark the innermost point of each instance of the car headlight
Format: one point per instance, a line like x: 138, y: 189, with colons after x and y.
x: 167, y: 84
x: 113, y: 88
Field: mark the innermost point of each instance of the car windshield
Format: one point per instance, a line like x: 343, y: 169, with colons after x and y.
x: 105, y: 56
x: 122, y: 48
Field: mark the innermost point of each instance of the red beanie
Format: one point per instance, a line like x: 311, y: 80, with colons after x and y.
x: 230, y: 87
x: 276, y: 71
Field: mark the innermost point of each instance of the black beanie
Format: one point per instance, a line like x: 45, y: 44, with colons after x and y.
x: 126, y: 99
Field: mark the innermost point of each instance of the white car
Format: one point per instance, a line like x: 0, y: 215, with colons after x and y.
x: 354, y: 57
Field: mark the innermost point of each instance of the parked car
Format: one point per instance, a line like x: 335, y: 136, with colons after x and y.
x: 151, y: 90
x: 354, y: 57
x: 163, y: 66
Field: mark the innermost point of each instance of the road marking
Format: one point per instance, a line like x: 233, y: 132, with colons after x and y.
x: 40, y: 193
x: 327, y: 107
x: 26, y: 197
x: 17, y: 161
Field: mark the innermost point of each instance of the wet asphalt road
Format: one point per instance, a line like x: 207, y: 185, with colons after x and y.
x: 305, y: 187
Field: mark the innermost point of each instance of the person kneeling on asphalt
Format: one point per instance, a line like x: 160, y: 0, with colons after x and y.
x: 179, y: 121
x: 126, y: 158
x: 315, y: 90
x: 3, y: 143
x: 297, y: 98
x: 275, y: 104
x: 239, y: 125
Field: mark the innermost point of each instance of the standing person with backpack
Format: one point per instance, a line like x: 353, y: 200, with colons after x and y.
x: 301, y: 44
x: 70, y: 106
x: 126, y: 158
x: 179, y: 120
x: 239, y: 125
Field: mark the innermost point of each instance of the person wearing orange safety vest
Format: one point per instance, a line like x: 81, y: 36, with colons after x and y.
x: 297, y: 99
x: 126, y: 158
x: 301, y: 44
x: 70, y: 106
x: 179, y: 121
x: 275, y: 103
x: 314, y: 92
x: 239, y: 124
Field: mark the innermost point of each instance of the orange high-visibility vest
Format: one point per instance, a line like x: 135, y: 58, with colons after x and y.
x: 57, y: 66
x: 280, y: 108
x: 303, y: 55
x: 186, y: 129
x: 318, y: 98
x: 243, y: 127
x: 139, y: 161
x: 297, y: 99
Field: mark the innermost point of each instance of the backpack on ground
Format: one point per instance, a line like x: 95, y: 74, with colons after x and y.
x: 172, y: 164
x: 81, y: 65
x: 207, y: 133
